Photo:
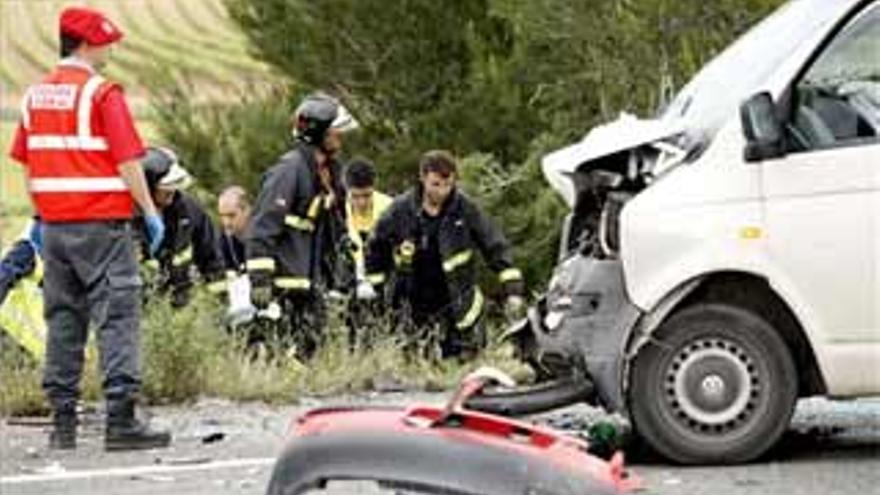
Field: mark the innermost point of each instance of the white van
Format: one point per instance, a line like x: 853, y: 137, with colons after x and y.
x: 723, y: 259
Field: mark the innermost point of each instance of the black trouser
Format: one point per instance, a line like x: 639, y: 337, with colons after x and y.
x: 301, y: 325
x: 91, y: 274
x: 436, y: 327
x: 303, y: 322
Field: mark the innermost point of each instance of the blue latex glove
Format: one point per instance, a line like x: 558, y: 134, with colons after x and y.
x: 35, y: 235
x: 155, y: 232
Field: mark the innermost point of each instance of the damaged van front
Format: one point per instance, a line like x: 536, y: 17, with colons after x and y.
x: 690, y: 285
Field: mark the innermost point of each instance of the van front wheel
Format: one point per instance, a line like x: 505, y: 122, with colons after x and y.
x: 717, y: 384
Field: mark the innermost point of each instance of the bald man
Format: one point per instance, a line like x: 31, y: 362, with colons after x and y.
x: 235, y: 212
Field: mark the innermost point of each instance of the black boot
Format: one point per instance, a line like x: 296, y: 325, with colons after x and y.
x: 125, y: 432
x: 63, y: 435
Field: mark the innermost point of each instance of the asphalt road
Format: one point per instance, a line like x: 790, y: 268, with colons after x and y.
x: 831, y: 447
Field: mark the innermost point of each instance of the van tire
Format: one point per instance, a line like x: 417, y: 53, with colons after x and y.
x: 716, y: 385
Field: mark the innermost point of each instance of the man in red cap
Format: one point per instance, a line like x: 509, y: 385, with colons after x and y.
x: 80, y: 148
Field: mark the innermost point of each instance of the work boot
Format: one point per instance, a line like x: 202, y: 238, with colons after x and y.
x: 63, y: 434
x: 126, y: 432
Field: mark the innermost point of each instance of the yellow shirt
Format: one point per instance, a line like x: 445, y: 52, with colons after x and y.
x: 364, y: 223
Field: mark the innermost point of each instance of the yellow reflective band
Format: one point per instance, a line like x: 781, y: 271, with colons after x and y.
x: 750, y: 233
x: 376, y: 278
x: 217, y: 287
x: 183, y: 257
x: 407, y: 249
x: 473, y: 313
x: 404, y: 253
x: 299, y: 223
x: 314, y: 208
x: 37, y: 274
x: 258, y: 264
x: 457, y: 260
x: 296, y: 283
x: 510, y: 275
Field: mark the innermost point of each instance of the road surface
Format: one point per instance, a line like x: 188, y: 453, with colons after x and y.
x: 226, y: 448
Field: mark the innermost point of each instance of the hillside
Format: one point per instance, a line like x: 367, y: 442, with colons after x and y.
x: 193, y: 39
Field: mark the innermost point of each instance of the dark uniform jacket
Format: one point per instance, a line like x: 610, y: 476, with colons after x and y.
x: 190, y: 243
x: 463, y: 229
x: 19, y: 262
x: 295, y: 229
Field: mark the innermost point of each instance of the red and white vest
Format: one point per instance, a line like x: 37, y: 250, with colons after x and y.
x: 71, y: 174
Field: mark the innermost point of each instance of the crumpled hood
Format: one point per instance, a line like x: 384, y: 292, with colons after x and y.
x: 625, y: 133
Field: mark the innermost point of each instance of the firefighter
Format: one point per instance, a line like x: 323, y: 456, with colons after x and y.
x: 80, y: 147
x: 298, y: 222
x: 234, y: 209
x: 190, y: 242
x: 427, y: 240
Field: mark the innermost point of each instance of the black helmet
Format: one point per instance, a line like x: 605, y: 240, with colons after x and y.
x: 162, y: 169
x: 316, y: 114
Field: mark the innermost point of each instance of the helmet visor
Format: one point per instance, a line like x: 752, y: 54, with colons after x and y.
x: 344, y: 121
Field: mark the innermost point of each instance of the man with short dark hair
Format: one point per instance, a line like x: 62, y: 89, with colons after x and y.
x: 426, y: 240
x: 364, y: 206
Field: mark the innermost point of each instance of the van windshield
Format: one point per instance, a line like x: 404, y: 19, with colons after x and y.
x: 741, y: 69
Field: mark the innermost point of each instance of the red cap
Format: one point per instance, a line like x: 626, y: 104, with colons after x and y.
x: 88, y: 25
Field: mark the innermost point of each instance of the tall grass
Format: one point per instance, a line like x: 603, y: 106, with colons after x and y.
x: 188, y: 353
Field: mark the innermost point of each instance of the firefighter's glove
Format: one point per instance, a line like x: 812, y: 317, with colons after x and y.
x: 261, y: 292
x: 514, y: 307
x: 365, y: 291
x: 155, y: 231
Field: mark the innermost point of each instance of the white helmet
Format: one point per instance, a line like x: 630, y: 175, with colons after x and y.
x: 163, y: 170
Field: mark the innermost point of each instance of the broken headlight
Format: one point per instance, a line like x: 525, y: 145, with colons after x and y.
x: 559, y: 295
x: 609, y: 223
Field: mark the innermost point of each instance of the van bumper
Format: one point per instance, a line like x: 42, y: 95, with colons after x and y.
x: 591, y: 331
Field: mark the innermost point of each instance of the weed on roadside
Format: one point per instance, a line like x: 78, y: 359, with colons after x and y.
x: 189, y: 353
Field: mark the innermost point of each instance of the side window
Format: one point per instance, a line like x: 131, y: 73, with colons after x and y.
x: 837, y: 103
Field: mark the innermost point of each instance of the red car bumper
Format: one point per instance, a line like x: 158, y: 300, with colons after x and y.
x: 435, y: 450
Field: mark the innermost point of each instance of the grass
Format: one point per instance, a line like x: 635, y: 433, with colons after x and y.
x: 188, y: 354
x: 14, y: 203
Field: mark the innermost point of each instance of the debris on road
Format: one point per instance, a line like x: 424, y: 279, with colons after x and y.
x: 213, y: 437
x: 182, y: 461
x: 54, y: 467
x: 153, y: 478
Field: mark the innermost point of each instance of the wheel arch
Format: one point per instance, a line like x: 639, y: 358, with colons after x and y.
x: 744, y: 290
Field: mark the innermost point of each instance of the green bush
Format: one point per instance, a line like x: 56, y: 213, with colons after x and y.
x: 21, y: 379
x: 178, y: 348
x: 527, y: 208
x: 222, y: 144
x: 20, y: 391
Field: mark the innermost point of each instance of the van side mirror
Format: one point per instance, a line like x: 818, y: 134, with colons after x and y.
x: 762, y: 128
